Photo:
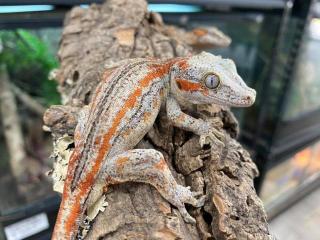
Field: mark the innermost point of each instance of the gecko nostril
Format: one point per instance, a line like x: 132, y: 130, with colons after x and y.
x: 247, y: 98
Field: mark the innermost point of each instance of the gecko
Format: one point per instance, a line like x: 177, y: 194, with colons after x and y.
x: 123, y: 109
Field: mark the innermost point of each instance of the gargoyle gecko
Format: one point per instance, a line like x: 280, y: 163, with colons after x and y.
x: 123, y: 109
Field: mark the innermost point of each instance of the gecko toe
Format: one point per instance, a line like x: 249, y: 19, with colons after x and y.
x: 186, y: 216
x: 201, y: 201
x: 196, y: 194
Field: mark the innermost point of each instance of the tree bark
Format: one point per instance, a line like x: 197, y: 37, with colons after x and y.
x: 12, y: 127
x: 101, y: 35
x: 27, y: 100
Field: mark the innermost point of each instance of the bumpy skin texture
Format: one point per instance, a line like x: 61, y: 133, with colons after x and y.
x: 123, y: 109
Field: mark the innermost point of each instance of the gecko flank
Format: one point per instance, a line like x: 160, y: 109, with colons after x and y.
x: 123, y: 109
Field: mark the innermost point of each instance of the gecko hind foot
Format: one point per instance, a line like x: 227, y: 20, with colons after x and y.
x: 186, y: 216
x: 197, y: 194
x: 184, y: 213
x: 149, y: 166
x: 185, y: 195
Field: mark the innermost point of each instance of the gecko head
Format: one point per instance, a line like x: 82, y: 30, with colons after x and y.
x: 208, y: 79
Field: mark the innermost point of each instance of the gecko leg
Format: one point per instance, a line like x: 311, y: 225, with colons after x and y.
x: 149, y: 166
x: 202, y: 128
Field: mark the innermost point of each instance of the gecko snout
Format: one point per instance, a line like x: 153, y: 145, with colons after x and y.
x: 247, y: 98
x: 250, y: 98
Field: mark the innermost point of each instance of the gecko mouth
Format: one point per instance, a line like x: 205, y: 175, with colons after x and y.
x: 237, y: 101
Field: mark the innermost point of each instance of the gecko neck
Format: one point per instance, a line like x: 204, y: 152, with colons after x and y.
x: 183, y: 102
x: 169, y: 67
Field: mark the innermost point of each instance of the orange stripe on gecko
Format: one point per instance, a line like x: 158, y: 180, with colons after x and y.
x: 161, y: 165
x: 186, y: 85
x: 183, y: 64
x: 121, y: 162
x: 200, y: 32
x: 85, y: 185
x: 71, y: 165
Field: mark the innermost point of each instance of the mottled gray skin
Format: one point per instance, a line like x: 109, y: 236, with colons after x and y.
x: 123, y: 110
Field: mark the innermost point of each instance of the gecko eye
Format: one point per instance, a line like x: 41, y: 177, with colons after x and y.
x: 211, y: 80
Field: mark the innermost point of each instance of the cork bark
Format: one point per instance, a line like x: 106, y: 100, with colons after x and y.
x: 101, y: 35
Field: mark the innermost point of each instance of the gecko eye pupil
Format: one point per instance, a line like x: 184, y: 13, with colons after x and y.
x: 212, y: 81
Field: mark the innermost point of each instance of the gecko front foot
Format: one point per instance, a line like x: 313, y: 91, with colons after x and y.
x: 213, y: 136
x: 185, y: 195
x: 209, y: 134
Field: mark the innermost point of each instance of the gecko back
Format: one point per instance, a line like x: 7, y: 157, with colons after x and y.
x: 121, y: 112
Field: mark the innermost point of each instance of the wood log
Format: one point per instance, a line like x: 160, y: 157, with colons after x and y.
x: 101, y: 35
x: 27, y: 100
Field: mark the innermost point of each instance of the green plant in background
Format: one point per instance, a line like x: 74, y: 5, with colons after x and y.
x: 29, y: 61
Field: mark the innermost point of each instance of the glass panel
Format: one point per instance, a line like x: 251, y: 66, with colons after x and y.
x: 27, y: 57
x: 246, y: 30
x: 243, y: 30
x: 291, y: 173
x: 305, y: 90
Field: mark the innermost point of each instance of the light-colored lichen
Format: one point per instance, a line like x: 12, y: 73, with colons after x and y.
x: 61, y: 154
